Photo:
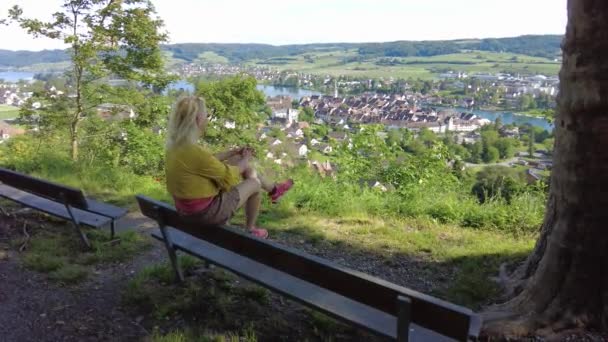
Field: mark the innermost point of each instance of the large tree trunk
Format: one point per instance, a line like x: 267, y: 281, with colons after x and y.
x: 564, y: 283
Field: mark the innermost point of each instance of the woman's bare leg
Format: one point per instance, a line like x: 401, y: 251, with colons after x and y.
x: 252, y: 209
x: 249, y: 196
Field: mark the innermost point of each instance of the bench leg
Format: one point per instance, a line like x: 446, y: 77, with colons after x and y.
x: 112, y: 229
x: 179, y: 276
x: 78, y: 229
x: 403, y: 318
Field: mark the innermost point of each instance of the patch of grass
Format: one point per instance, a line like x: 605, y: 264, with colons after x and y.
x: 310, y: 234
x: 130, y: 243
x: 212, y: 297
x: 327, y: 328
x: 8, y: 112
x: 42, y: 263
x: 137, y: 290
x: 60, y: 253
x: 474, y: 285
x: 69, y: 274
x: 323, y: 322
x: 247, y: 335
x: 256, y: 293
x: 211, y: 57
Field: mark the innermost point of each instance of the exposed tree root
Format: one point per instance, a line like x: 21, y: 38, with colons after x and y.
x: 27, y: 238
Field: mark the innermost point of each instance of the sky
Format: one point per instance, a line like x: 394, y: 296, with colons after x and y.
x: 280, y: 22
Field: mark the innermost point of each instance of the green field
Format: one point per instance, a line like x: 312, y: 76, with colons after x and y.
x: 349, y: 63
x: 46, y: 67
x: 211, y: 57
x: 8, y: 112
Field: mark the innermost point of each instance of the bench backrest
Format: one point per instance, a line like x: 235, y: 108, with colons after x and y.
x: 446, y: 318
x: 53, y: 191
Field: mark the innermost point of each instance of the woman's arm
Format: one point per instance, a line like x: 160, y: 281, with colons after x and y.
x: 222, y: 156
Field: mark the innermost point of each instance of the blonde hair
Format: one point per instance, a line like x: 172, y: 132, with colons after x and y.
x: 182, y: 127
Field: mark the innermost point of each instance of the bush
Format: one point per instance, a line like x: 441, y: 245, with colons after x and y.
x: 498, y: 181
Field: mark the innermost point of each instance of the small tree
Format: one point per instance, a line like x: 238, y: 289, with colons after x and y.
x: 307, y: 114
x: 497, y: 182
x: 232, y: 100
x: 491, y: 155
x: 106, y: 38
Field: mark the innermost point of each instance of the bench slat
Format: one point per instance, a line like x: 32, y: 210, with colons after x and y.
x: 105, y: 209
x: 53, y: 208
x: 43, y: 188
x: 329, y: 302
x: 429, y: 312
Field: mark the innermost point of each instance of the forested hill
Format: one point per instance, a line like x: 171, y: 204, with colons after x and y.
x: 541, y: 46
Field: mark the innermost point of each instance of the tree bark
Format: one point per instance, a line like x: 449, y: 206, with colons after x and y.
x: 74, y: 140
x: 78, y: 70
x: 564, y: 283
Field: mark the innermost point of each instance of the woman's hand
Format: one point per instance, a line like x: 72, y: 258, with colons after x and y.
x: 247, y: 149
x: 246, y: 156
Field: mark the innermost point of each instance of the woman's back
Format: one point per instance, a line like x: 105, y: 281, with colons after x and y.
x: 194, y: 172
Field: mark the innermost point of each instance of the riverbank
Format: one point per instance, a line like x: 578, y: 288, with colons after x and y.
x: 507, y: 118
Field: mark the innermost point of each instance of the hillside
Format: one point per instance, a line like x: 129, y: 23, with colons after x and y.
x: 350, y: 63
x: 547, y: 47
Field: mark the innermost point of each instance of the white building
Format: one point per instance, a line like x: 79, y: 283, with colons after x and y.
x: 303, y: 150
x: 289, y: 115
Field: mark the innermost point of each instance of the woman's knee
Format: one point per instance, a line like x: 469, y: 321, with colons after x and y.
x: 249, y: 187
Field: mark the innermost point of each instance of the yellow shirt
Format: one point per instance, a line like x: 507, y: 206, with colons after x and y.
x: 193, y: 172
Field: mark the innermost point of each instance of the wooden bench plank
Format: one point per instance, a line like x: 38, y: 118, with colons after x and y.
x: 105, y: 209
x: 429, y: 312
x: 75, y: 197
x: 324, y: 300
x: 52, y: 208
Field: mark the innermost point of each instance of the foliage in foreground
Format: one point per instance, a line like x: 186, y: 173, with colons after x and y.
x: 425, y: 188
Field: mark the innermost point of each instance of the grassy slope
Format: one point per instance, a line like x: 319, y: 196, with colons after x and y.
x: 472, y: 254
x: 8, y: 112
x: 211, y: 57
x: 332, y: 63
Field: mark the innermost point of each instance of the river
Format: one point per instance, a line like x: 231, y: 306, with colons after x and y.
x: 14, y: 76
x: 268, y: 90
x: 509, y: 118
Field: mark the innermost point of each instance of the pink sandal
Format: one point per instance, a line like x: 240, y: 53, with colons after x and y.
x: 279, y: 190
x: 258, y: 232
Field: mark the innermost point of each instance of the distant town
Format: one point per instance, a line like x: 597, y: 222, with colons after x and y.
x: 497, y: 89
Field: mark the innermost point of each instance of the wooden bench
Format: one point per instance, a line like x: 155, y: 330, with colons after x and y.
x: 59, y: 200
x: 370, y: 303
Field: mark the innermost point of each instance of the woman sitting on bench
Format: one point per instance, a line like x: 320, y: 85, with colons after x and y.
x: 207, y: 188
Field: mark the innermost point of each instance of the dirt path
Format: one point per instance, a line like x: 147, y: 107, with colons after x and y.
x: 34, y: 309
